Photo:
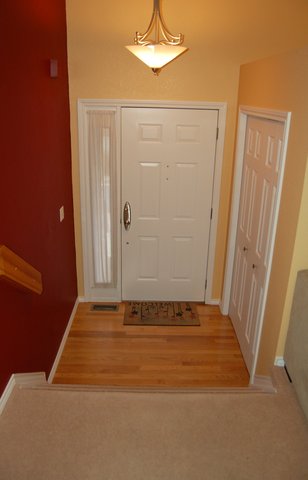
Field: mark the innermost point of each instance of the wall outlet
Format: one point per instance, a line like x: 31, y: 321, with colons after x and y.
x: 61, y: 213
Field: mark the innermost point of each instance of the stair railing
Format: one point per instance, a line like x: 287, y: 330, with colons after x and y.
x: 18, y: 272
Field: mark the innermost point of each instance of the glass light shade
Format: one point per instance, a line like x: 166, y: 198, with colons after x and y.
x: 156, y: 56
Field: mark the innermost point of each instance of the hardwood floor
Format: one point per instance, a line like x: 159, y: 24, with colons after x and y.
x: 100, y: 350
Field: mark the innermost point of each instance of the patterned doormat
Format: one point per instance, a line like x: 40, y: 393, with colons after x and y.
x: 161, y: 313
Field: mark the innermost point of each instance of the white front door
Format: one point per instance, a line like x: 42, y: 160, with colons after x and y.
x: 258, y: 200
x: 168, y: 159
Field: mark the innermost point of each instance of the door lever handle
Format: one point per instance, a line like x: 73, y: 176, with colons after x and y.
x: 127, y: 216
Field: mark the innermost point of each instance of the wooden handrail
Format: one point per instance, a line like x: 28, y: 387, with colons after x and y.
x: 17, y: 271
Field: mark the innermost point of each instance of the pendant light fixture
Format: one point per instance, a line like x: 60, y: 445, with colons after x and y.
x: 160, y: 50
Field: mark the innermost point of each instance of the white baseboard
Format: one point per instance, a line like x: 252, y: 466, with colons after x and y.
x: 279, y: 362
x: 223, y: 309
x: 63, y: 341
x: 35, y: 378
x: 213, y: 301
x: 263, y: 383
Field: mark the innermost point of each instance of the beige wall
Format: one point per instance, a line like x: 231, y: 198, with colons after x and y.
x: 299, y: 262
x: 220, y: 35
x: 280, y: 82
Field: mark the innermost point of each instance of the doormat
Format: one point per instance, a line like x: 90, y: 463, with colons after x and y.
x: 161, y: 313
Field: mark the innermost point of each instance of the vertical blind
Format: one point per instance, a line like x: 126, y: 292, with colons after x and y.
x: 102, y: 173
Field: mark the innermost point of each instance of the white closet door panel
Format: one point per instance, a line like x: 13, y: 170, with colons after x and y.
x: 261, y: 167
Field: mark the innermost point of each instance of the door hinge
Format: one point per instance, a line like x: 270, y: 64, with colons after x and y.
x: 217, y: 133
x: 205, y: 284
x: 211, y: 214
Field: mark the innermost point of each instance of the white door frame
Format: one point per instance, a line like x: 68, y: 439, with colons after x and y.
x: 85, y: 105
x: 285, y: 118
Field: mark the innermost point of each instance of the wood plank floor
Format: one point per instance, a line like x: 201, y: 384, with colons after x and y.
x: 100, y: 350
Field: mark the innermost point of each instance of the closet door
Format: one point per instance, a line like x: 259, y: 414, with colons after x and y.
x: 262, y: 168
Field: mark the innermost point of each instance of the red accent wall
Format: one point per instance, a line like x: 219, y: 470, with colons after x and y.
x: 35, y: 181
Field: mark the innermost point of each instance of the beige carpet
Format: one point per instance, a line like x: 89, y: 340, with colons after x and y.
x: 71, y: 435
